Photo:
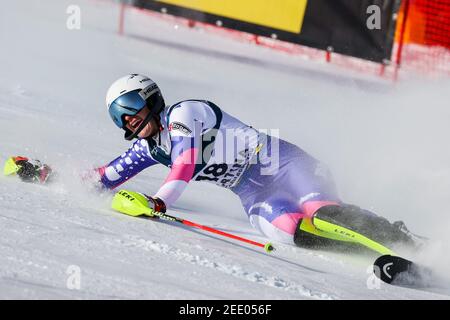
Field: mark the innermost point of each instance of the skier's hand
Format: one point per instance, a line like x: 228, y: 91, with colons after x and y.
x: 156, y: 204
x: 28, y: 170
x: 137, y: 204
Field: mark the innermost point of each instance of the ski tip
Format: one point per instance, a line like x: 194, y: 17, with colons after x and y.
x: 388, y: 267
x: 269, y: 247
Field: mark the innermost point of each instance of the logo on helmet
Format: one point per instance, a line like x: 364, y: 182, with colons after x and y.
x: 149, y: 91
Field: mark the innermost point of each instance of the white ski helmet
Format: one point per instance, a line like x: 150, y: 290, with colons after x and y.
x: 129, y: 95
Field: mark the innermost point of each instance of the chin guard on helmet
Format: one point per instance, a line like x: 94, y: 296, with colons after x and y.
x: 129, y: 135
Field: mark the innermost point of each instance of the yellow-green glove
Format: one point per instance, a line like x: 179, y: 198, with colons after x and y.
x: 27, y: 169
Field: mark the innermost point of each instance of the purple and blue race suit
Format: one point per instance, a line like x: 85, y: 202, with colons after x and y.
x: 277, y: 182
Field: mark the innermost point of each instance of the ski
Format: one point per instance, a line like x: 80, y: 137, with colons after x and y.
x: 401, y: 272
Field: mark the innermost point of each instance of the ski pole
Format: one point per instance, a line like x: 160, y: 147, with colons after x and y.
x: 136, y: 204
x: 268, y: 246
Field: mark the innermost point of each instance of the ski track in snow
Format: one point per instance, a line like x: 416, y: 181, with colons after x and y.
x: 233, y: 270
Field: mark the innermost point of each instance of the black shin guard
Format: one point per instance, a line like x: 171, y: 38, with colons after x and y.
x: 365, y: 223
x: 307, y: 240
x: 358, y: 220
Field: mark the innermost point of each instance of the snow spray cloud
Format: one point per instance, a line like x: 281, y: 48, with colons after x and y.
x: 390, y: 154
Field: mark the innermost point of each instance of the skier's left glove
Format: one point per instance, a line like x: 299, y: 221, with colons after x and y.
x: 137, y: 204
x: 28, y: 170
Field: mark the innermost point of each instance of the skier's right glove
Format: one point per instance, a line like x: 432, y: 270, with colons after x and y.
x: 28, y: 170
x: 137, y: 204
x: 156, y: 204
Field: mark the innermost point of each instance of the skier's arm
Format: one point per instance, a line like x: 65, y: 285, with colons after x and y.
x: 126, y: 166
x: 186, y: 143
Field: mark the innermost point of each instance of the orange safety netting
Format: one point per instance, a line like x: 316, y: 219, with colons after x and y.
x: 422, y: 41
x: 424, y: 37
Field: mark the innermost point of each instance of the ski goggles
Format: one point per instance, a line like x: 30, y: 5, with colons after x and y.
x: 128, y: 104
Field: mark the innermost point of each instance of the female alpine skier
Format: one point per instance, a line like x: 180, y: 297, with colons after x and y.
x: 287, y: 194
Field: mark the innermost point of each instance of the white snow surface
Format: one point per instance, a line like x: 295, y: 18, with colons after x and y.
x: 387, y: 145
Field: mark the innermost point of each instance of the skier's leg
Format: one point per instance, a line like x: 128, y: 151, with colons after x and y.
x: 366, y: 223
x: 352, y: 224
x: 311, y: 185
x: 276, y: 203
x: 300, y: 191
x: 280, y: 220
x: 277, y: 220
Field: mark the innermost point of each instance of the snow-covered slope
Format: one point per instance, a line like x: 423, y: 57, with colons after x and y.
x: 385, y: 144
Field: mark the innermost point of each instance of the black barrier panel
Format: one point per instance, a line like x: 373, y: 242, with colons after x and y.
x: 337, y: 25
